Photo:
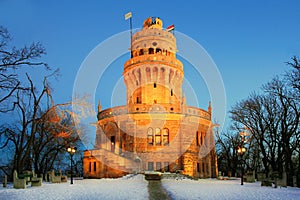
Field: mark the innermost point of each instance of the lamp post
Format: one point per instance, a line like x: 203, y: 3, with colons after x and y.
x: 71, y: 151
x: 242, y: 150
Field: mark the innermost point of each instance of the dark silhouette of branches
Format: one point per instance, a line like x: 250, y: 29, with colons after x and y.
x: 293, y: 76
x: 12, y: 59
x: 273, y: 119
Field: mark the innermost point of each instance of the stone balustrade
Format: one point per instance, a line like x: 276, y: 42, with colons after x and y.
x: 156, y: 108
x: 159, y: 58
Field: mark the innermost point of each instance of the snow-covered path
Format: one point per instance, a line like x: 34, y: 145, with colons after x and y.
x: 229, y: 189
x: 135, y: 188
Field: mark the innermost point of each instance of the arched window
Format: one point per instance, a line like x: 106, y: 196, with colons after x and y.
x: 150, y: 137
x: 201, y: 138
x: 197, y: 139
x: 157, y: 137
x: 151, y: 51
x: 158, y: 50
x: 141, y: 52
x: 165, y: 136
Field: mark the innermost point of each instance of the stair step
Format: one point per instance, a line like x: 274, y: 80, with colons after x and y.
x: 118, y: 162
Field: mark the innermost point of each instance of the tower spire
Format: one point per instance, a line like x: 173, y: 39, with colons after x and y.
x: 99, y: 106
x: 209, y: 107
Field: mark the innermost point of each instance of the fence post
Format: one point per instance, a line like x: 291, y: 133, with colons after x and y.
x: 4, y: 181
x: 294, y: 181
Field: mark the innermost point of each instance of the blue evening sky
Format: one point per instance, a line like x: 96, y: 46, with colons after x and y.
x: 249, y: 41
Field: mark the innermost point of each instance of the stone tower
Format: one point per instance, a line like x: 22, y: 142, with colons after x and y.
x: 153, y: 75
x: 155, y: 130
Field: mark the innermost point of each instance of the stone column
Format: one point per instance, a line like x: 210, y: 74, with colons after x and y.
x: 118, y: 139
x: 134, y: 139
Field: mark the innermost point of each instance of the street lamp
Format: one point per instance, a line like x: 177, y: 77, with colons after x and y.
x: 241, y: 150
x: 71, y: 151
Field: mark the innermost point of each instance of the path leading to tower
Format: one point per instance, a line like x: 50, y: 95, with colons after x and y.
x: 156, y: 191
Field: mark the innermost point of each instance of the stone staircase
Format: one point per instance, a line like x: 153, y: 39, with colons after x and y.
x: 116, y: 161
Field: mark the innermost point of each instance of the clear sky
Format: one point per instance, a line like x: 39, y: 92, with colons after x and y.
x: 249, y: 41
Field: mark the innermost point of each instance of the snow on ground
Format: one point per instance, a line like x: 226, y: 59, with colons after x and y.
x: 122, y: 188
x: 135, y: 188
x: 226, y: 189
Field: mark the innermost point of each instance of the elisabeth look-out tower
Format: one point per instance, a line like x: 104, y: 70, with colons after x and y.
x: 153, y: 75
x: 155, y: 130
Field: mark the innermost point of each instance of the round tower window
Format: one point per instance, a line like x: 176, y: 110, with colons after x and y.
x: 154, y: 43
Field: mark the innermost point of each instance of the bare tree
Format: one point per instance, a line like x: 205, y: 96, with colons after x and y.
x: 289, y: 121
x: 44, y: 130
x: 259, y: 114
x: 226, y: 148
x: 273, y: 119
x: 12, y: 59
x: 58, y: 128
x: 293, y: 75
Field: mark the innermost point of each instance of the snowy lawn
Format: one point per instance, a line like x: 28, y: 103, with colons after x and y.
x: 122, y: 188
x: 135, y: 188
x: 226, y: 189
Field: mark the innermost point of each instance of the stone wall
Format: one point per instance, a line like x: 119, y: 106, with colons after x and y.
x: 187, y: 137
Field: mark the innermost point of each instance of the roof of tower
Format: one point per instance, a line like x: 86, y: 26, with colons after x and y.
x: 153, y: 22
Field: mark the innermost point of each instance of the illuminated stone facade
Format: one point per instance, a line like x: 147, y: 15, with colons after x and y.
x: 156, y: 130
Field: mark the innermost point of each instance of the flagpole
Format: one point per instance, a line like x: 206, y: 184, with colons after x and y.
x: 129, y: 16
x: 131, y: 37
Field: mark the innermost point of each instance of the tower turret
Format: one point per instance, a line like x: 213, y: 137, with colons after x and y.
x: 153, y: 22
x: 153, y: 75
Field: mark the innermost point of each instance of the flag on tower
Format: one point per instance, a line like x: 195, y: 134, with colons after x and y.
x: 128, y: 15
x: 170, y: 28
